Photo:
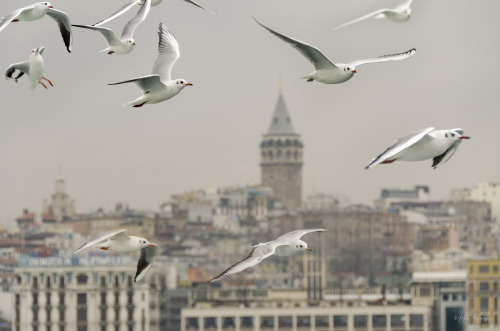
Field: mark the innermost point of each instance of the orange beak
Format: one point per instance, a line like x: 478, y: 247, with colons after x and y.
x: 464, y: 137
x: 51, y: 7
x: 354, y: 71
x: 151, y: 245
x: 189, y: 84
x: 308, y: 249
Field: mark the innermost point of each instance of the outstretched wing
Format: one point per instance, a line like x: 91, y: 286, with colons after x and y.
x: 384, y: 58
x: 115, y: 235
x: 296, y: 235
x: 147, y: 84
x: 129, y: 29
x: 440, y: 159
x: 107, y: 33
x: 4, y: 21
x: 256, y: 255
x: 199, y: 6
x: 64, y: 26
x: 168, y: 53
x: 311, y: 53
x: 118, y: 13
x: 23, y: 67
x: 148, y: 255
x: 372, y: 14
x: 399, y: 145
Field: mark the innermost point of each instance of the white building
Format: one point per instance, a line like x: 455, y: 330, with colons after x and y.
x: 484, y: 191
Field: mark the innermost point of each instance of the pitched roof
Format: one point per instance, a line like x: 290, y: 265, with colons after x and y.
x: 281, y: 122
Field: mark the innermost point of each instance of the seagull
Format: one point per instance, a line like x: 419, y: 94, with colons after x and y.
x: 283, y: 245
x: 158, y: 86
x: 33, y: 68
x: 326, y: 71
x: 37, y: 11
x: 140, y: 2
x: 401, y: 13
x: 438, y: 145
x: 127, y: 42
x: 120, y: 241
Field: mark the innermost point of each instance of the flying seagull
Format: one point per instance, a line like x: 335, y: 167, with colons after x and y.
x: 158, y: 86
x: 328, y: 72
x: 120, y: 241
x: 126, y: 43
x: 438, y: 145
x: 283, y: 245
x: 140, y: 2
x: 401, y: 13
x: 33, y: 68
x: 37, y: 11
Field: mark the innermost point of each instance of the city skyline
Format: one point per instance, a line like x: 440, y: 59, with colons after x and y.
x: 208, y: 136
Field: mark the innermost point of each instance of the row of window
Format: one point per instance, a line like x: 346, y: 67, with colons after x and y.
x: 484, y: 269
x: 81, y: 279
x: 339, y: 321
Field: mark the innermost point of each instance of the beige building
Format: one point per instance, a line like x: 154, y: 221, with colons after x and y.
x: 483, y: 191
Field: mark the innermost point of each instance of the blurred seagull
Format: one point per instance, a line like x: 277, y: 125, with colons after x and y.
x: 120, y: 241
x: 158, y: 86
x: 284, y: 245
x: 326, y: 71
x: 140, y: 2
x: 401, y: 13
x: 127, y: 42
x: 438, y: 145
x: 33, y: 68
x: 37, y: 11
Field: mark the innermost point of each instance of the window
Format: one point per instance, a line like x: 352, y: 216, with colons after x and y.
x: 35, y: 314
x: 103, y: 298
x: 397, y: 320
x: 285, y: 322
x: 495, y: 303
x: 416, y: 320
x: 267, y: 322
x: 471, y: 303
x: 495, y: 269
x: 484, y: 303
x: 228, y: 323
x: 61, y: 282
x: 484, y: 269
x: 246, y: 322
x: 130, y: 314
x: 445, y: 297
x: 192, y: 323
x: 61, y: 314
x: 103, y: 314
x: 303, y: 321
x: 81, y: 279
x: 360, y: 321
x: 484, y: 286
x: 495, y: 286
x: 48, y: 298
x: 425, y: 292
x: 322, y: 321
x: 81, y: 315
x: 379, y: 321
x: 35, y: 282
x: 471, y: 287
x: 210, y: 323
x: 35, y: 299
x: 81, y: 298
x: 455, y: 297
x: 340, y: 321
x: 485, y: 320
x: 61, y: 299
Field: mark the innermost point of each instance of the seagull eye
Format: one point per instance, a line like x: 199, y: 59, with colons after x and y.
x: 453, y: 135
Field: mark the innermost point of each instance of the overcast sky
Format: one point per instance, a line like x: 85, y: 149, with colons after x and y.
x: 208, y: 135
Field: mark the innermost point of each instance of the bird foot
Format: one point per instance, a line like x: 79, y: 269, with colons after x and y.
x: 387, y: 161
x: 310, y: 79
x: 139, y: 105
x: 43, y: 85
x: 48, y: 81
x: 104, y: 248
x: 110, y: 52
x: 16, y: 20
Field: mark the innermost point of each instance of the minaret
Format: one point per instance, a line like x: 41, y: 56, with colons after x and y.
x: 281, y: 158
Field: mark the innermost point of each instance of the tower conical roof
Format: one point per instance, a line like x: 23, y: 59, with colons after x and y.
x: 281, y: 122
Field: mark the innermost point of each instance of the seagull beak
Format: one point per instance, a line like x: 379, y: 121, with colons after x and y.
x: 354, y: 71
x: 464, y: 137
x: 308, y: 249
x: 51, y: 7
x: 189, y: 84
x: 151, y: 245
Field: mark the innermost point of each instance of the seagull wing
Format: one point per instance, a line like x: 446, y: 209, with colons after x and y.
x: 64, y: 26
x: 148, y: 255
x: 112, y: 235
x: 256, y: 255
x: 440, y: 159
x: 199, y: 6
x: 4, y: 21
x: 372, y: 14
x: 118, y: 13
x: 23, y: 67
x: 311, y: 53
x: 168, y: 53
x: 296, y: 235
x: 107, y: 33
x: 384, y: 58
x: 147, y: 84
x: 399, y: 145
x: 128, y: 30
x: 403, y: 4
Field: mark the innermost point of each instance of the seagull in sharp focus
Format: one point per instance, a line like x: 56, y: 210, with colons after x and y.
x: 438, y: 145
x: 158, y: 86
x: 126, y: 44
x: 401, y: 13
x: 33, y: 68
x: 286, y: 244
x: 140, y: 2
x: 37, y: 11
x: 328, y: 72
x: 120, y: 241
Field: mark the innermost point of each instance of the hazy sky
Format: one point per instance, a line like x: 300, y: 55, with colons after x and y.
x: 209, y: 134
